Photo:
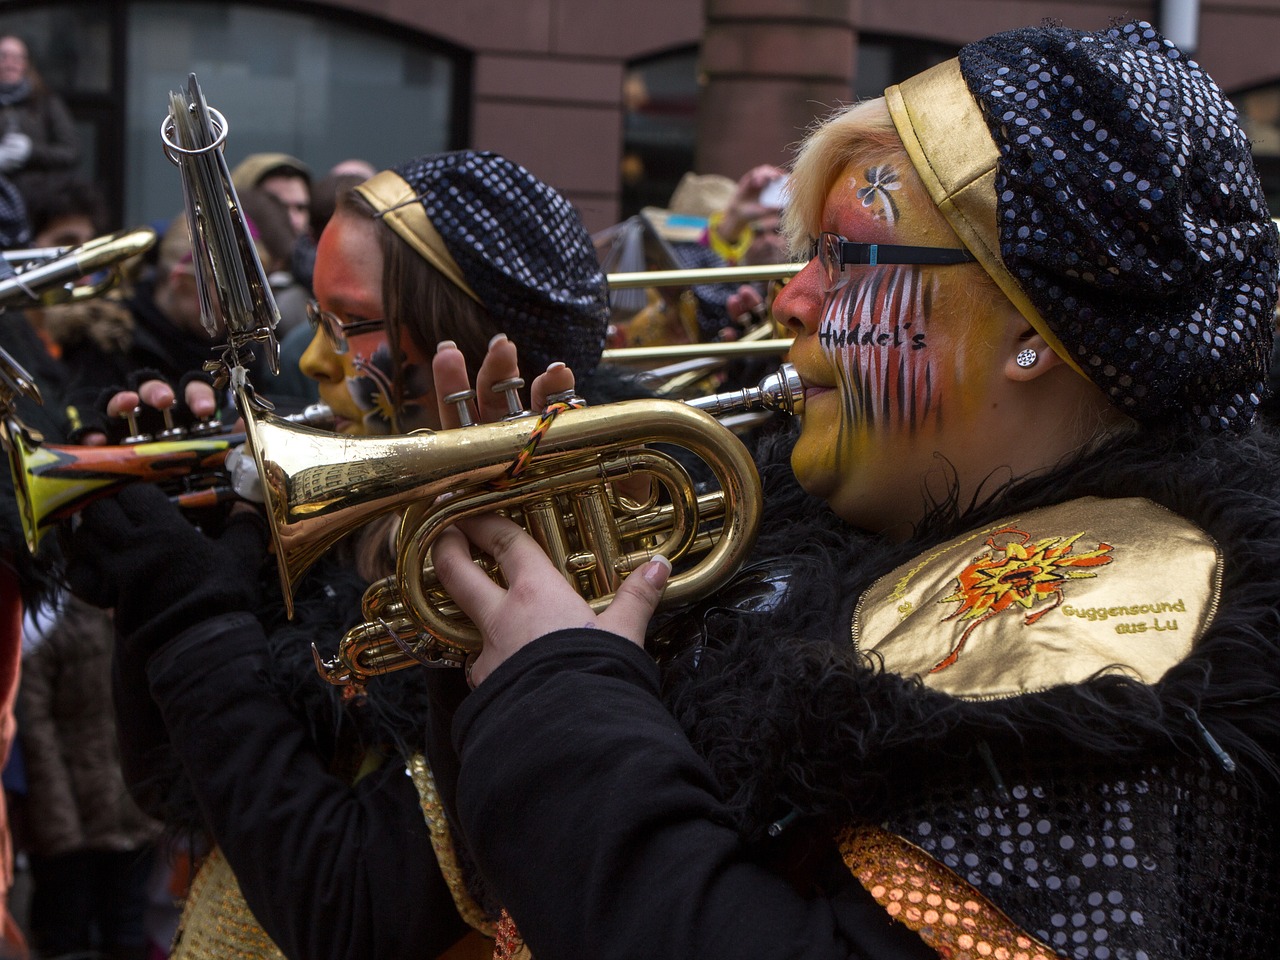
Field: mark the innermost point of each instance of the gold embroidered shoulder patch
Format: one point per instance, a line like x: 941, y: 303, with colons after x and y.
x: 1049, y: 597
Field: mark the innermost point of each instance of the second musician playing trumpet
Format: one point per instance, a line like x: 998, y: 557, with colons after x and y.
x: 322, y: 846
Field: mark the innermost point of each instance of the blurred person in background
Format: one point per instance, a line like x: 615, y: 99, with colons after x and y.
x: 89, y: 847
x: 286, y: 178
x: 37, y: 134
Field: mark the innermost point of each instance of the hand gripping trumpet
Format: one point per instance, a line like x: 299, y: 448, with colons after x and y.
x: 319, y: 488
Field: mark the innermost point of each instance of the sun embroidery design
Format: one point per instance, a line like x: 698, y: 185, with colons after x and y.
x: 1018, y: 572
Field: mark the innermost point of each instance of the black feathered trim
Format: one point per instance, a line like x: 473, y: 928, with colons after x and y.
x: 791, y: 721
x: 390, y: 714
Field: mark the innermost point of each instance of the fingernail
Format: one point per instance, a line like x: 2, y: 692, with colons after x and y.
x: 497, y: 338
x: 657, y: 570
x: 555, y: 365
x: 446, y: 345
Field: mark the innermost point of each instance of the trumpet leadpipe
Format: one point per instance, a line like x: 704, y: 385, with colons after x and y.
x: 674, y: 352
x: 680, y: 278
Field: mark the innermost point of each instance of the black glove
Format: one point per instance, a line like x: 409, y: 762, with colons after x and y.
x: 135, y: 552
x: 92, y: 418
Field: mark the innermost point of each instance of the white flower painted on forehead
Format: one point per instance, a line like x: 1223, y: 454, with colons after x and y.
x: 880, y: 181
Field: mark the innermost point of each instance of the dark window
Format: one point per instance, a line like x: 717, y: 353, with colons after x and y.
x: 660, y: 121
x: 882, y: 61
x: 322, y: 86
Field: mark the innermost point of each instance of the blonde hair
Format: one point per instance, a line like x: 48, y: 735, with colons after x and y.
x: 861, y: 131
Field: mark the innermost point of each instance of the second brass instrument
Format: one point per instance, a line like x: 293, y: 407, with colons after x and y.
x: 53, y: 482
x: 50, y: 275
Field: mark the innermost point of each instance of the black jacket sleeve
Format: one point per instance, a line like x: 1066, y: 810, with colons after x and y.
x: 599, y: 826
x: 329, y: 870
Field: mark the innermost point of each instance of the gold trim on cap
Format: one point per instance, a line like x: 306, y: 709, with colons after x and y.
x: 949, y: 145
x: 397, y: 203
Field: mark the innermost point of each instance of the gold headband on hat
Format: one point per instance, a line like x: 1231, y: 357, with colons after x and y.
x: 399, y: 205
x: 948, y: 143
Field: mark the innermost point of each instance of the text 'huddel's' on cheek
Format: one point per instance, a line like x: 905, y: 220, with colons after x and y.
x: 875, y: 331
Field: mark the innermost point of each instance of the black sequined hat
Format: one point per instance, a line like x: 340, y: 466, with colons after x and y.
x: 1104, y: 182
x: 508, y: 241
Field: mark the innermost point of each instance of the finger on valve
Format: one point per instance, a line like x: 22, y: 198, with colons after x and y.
x: 557, y: 379
x: 499, y: 371
x: 200, y: 399
x: 449, y: 372
x: 122, y: 403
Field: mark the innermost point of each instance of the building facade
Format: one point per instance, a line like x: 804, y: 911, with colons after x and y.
x: 610, y: 100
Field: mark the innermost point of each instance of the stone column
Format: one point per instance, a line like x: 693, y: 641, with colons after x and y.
x: 769, y: 68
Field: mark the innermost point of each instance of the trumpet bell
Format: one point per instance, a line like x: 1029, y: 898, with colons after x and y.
x: 54, y: 482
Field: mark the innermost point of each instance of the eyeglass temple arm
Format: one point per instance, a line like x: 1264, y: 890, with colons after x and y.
x: 870, y: 254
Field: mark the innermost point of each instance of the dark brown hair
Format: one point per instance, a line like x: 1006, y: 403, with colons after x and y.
x: 422, y: 302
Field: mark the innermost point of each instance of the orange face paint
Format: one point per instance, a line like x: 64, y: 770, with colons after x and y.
x: 359, y: 385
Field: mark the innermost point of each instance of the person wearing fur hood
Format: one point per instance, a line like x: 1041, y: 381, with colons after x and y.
x: 1008, y: 686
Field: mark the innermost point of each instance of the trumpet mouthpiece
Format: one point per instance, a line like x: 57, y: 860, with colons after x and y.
x: 782, y: 392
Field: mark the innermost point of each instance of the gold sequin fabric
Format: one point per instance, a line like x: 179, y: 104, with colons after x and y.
x: 442, y: 844
x: 917, y: 891
x: 216, y: 922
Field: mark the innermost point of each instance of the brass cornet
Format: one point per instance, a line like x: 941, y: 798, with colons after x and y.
x: 319, y: 488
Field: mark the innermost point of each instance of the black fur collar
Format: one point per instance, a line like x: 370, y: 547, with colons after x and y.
x: 789, y: 721
x: 391, y: 714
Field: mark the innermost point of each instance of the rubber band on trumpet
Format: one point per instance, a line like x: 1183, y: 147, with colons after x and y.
x: 539, y: 431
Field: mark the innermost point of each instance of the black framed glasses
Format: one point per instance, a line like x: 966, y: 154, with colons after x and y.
x: 834, y: 253
x: 337, y: 331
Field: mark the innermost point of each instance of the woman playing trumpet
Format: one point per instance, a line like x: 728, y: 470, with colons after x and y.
x: 1031, y: 710
x: 324, y: 847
